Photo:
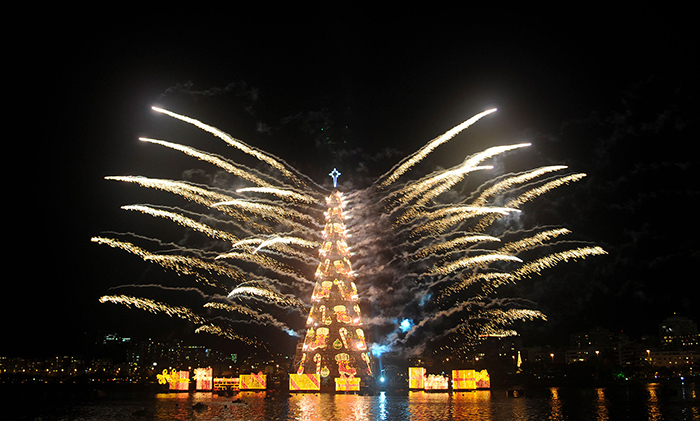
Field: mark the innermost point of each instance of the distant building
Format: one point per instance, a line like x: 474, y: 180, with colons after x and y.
x: 674, y: 359
x: 595, y: 343
x: 676, y: 333
x: 581, y: 354
x: 597, y: 338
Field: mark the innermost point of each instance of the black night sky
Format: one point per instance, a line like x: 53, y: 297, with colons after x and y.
x: 612, y: 93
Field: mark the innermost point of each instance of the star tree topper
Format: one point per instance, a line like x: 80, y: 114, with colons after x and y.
x: 334, y: 174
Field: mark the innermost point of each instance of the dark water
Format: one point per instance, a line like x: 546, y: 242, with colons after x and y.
x: 633, y: 402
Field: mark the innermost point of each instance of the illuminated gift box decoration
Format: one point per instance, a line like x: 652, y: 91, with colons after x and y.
x: 301, y: 382
x: 226, y: 383
x: 347, y: 384
x: 416, y: 378
x: 203, y: 378
x: 463, y: 379
x: 483, y: 380
x: 253, y: 381
x: 176, y: 380
x: 437, y: 382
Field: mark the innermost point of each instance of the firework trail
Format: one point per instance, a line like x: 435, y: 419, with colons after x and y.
x: 184, y: 221
x: 510, y: 182
x: 275, y: 213
x: 288, y: 195
x: 425, y: 150
x: 552, y: 260
x: 261, y: 290
x: 186, y: 265
x: 428, y: 189
x: 535, y: 240
x: 436, y: 264
x: 286, y: 240
x: 214, y: 329
x: 154, y: 307
x: 473, y: 261
x: 192, y: 192
x: 436, y: 222
x: 269, y: 263
x: 530, y: 195
x: 252, y: 315
x: 262, y: 156
x: 229, y: 167
x: 451, y: 245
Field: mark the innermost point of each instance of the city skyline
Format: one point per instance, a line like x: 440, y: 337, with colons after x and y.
x: 122, y: 359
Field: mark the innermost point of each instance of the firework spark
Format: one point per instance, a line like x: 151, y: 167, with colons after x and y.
x: 438, y: 221
x: 267, y: 262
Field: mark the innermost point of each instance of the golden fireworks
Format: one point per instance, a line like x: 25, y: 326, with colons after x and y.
x: 282, y: 231
x: 154, y: 307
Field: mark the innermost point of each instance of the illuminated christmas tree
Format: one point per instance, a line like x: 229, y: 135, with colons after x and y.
x: 334, y: 348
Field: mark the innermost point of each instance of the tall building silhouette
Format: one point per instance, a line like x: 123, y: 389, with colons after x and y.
x: 334, y: 347
x: 677, y: 332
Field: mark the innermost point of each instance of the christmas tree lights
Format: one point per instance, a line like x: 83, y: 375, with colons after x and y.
x: 334, y: 349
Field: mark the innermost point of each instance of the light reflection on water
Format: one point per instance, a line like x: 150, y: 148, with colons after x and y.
x: 556, y: 412
x: 653, y: 405
x: 601, y: 405
x: 641, y: 402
